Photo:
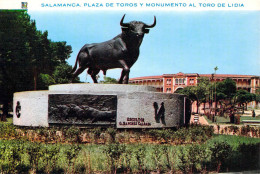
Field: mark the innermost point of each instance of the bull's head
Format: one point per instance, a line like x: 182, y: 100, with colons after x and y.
x: 136, y: 28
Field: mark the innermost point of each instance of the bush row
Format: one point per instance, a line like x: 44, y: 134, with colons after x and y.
x: 194, y: 133
x: 249, y: 131
x: 215, y: 155
x: 26, y: 157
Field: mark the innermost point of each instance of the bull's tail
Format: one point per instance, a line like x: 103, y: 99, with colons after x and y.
x: 76, y: 64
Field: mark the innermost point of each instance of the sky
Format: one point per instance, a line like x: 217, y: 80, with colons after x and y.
x: 181, y: 41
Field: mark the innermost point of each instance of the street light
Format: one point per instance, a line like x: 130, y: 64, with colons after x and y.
x: 216, y: 68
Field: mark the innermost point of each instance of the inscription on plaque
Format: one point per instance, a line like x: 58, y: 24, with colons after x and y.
x: 134, y: 121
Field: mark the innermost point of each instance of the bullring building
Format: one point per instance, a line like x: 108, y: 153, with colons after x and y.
x: 170, y: 83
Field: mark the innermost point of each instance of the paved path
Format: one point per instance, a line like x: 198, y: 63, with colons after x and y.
x: 202, y: 120
x: 249, y: 113
x: 222, y: 130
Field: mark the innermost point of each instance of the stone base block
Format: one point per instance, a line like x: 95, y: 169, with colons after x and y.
x: 30, y: 108
x: 123, y: 106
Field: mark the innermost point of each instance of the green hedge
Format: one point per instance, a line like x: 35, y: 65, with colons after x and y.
x: 220, y: 153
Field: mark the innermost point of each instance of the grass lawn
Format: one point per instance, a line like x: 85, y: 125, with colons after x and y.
x: 9, y: 120
x: 234, y: 141
x: 220, y: 120
x: 249, y: 118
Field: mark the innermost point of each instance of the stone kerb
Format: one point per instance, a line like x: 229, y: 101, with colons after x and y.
x: 83, y: 87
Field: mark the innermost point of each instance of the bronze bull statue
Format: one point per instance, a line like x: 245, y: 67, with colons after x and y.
x: 120, y: 52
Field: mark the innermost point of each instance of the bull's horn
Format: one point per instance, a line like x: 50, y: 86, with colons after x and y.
x: 151, y: 26
x: 122, y: 22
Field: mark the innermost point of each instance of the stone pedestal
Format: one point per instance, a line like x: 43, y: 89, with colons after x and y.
x: 122, y: 106
x: 30, y: 108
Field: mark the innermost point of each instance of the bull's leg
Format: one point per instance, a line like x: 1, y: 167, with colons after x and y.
x: 89, y: 71
x: 77, y: 72
x: 94, y: 75
x: 83, y: 61
x: 125, y: 73
x: 122, y: 77
x: 104, y: 72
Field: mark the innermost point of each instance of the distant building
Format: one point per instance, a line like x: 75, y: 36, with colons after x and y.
x: 170, y: 83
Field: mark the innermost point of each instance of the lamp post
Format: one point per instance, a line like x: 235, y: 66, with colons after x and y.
x: 216, y: 68
x: 211, y: 94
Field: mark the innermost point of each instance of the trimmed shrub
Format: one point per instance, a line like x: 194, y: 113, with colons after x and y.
x: 220, y: 153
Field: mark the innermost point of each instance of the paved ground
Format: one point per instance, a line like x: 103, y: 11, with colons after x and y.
x: 202, y: 120
x: 249, y: 113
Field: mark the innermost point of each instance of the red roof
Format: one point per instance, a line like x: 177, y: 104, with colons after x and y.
x: 227, y: 75
x: 194, y: 74
x: 146, y: 77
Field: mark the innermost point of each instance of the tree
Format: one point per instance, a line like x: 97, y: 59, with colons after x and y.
x: 244, y: 97
x: 27, y: 57
x: 14, y: 51
x: 60, y: 75
x: 257, y: 91
x: 109, y: 80
x: 225, y: 91
x: 197, y: 93
x: 228, y: 88
x: 189, y: 92
x: 201, y: 91
x: 257, y: 97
